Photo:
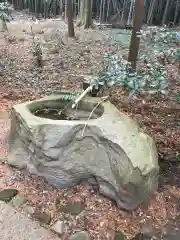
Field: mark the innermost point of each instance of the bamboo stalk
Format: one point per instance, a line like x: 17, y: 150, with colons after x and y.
x: 89, y: 89
x: 161, y: 10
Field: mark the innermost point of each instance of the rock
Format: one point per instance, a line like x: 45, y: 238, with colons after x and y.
x: 119, y: 236
x: 18, y: 201
x: 59, y: 227
x: 73, y: 209
x: 2, y: 160
x: 171, y: 230
x: 42, y: 217
x: 7, y: 194
x: 29, y: 210
x: 17, y: 226
x: 174, y: 234
x: 147, y: 232
x: 111, y: 148
x: 80, y: 236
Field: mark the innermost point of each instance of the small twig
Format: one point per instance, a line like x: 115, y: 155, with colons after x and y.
x: 33, y: 35
x: 45, y: 110
x: 75, y: 112
x: 103, y: 100
x: 5, y: 181
x: 66, y: 106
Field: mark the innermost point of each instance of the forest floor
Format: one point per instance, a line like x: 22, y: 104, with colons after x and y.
x: 64, y: 62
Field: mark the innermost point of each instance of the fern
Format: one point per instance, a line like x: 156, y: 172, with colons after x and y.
x: 67, y: 95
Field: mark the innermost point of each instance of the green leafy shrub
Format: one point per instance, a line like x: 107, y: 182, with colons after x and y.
x: 5, y: 9
x: 117, y: 72
x: 161, y: 45
x: 159, y: 48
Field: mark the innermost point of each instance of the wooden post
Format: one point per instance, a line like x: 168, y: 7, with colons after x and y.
x: 137, y: 25
x: 70, y: 19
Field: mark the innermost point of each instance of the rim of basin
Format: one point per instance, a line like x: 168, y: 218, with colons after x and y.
x: 86, y: 110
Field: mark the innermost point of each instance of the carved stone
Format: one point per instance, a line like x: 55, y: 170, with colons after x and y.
x: 110, y: 148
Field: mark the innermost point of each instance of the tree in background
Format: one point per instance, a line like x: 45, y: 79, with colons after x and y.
x: 166, y: 11
x: 70, y: 19
x: 5, y: 13
x: 85, y: 14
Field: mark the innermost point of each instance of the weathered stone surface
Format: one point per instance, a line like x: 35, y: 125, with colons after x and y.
x: 42, y: 217
x: 147, y: 232
x: 59, y: 227
x: 73, y: 209
x: 16, y: 226
x: 170, y: 231
x: 18, y: 200
x: 7, y: 194
x: 113, y: 149
x: 28, y: 209
x: 80, y: 236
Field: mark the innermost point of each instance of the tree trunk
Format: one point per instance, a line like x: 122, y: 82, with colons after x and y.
x: 151, y: 12
x: 70, y: 18
x: 137, y: 25
x: 85, y: 15
x: 166, y: 11
x: 176, y: 12
x: 130, y: 13
x: 65, y: 11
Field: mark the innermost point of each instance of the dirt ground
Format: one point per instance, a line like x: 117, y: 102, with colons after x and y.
x: 64, y: 62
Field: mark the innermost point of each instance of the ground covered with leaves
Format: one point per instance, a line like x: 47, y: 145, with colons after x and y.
x: 64, y: 62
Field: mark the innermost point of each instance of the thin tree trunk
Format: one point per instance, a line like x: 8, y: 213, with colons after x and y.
x: 123, y: 16
x: 176, y: 12
x: 36, y: 8
x: 65, y: 11
x: 137, y: 25
x: 54, y: 7
x: 75, y: 8
x: 79, y: 6
x: 100, y: 14
x: 108, y: 7
x: 164, y: 20
x: 151, y: 12
x: 45, y: 9
x: 60, y: 7
x: 88, y: 14
x: 130, y: 12
x: 85, y: 14
x: 70, y: 18
x: 103, y: 12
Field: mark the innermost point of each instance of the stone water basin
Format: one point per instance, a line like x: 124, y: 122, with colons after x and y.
x: 109, y: 149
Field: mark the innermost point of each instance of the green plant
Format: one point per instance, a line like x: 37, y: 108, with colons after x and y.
x: 5, y: 9
x: 178, y: 157
x: 151, y: 78
x: 157, y: 50
x: 37, y: 50
x: 117, y: 72
x: 66, y: 96
x: 160, y: 45
x: 178, y: 97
